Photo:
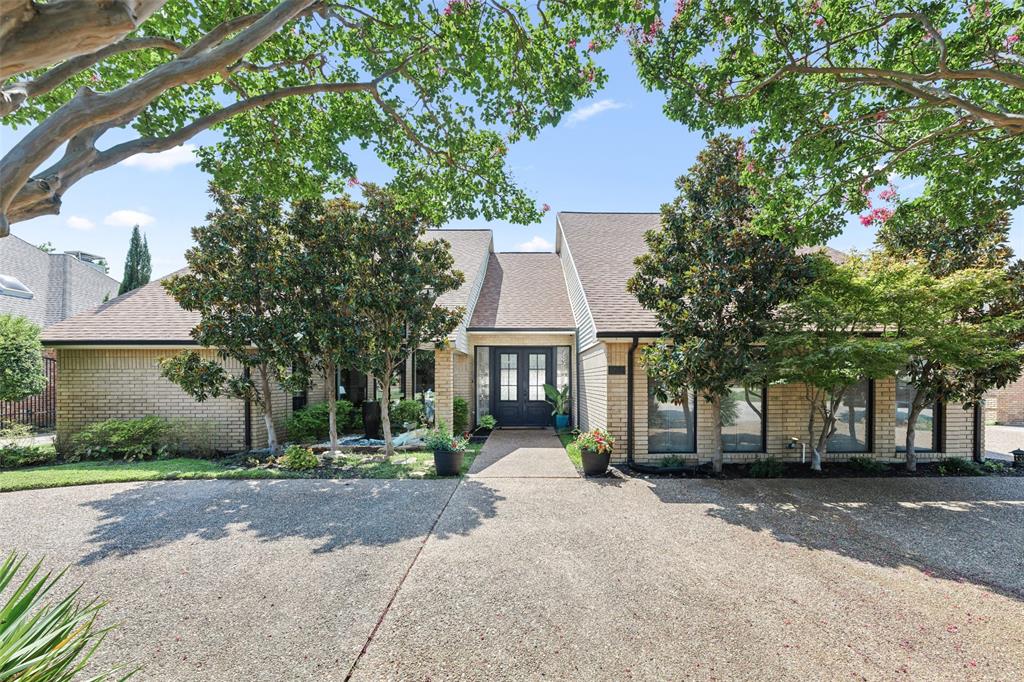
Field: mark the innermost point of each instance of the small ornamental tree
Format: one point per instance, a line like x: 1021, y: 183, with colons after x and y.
x: 836, y: 334
x: 21, y: 358
x: 394, y: 308
x: 841, y: 96
x: 235, y: 281
x: 137, y: 264
x: 713, y: 284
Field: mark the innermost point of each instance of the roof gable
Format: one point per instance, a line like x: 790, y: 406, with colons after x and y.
x: 523, y: 291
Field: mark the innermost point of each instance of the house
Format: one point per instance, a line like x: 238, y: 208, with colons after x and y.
x: 563, y: 318
x: 50, y: 287
x: 1006, y: 405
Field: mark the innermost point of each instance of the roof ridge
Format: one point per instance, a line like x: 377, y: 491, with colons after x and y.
x: 611, y: 212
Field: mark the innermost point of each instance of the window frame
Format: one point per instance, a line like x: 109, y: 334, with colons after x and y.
x: 764, y: 426
x: 695, y: 419
x: 869, y: 425
x: 938, y: 428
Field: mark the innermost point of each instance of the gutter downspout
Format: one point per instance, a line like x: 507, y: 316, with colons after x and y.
x: 978, y: 426
x: 629, y: 400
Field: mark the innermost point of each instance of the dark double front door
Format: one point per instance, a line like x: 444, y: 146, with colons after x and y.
x: 518, y: 376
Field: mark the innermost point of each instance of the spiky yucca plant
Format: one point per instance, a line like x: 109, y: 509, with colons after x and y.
x: 42, y: 641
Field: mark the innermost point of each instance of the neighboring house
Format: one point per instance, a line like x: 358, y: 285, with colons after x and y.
x: 1006, y: 405
x: 50, y: 287
x: 531, y: 318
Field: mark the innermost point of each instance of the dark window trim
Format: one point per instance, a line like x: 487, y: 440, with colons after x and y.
x: 696, y: 422
x: 764, y: 427
x: 869, y: 425
x: 938, y: 431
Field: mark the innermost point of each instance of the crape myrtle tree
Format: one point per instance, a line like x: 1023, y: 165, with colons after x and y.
x: 137, y: 264
x: 842, y: 95
x: 236, y: 282
x: 21, y: 358
x: 714, y: 285
x: 837, y: 333
x: 393, y: 309
x: 437, y: 90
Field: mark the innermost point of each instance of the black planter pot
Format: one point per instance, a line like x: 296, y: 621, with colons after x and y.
x: 595, y: 463
x: 448, y: 462
x: 371, y: 419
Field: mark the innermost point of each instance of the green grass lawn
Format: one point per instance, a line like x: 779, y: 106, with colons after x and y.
x: 402, y: 465
x: 569, y: 443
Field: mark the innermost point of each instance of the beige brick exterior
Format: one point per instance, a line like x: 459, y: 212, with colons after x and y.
x: 603, y: 403
x: 1006, y: 405
x: 101, y: 383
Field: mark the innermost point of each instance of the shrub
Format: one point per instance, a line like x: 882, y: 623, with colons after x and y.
x: 406, y: 412
x: 44, y: 640
x: 312, y: 423
x: 488, y: 422
x: 20, y: 455
x: 993, y: 466
x: 867, y: 465
x: 460, y: 415
x: 957, y: 466
x: 21, y: 358
x: 672, y: 462
x: 298, y: 458
x: 443, y: 439
x: 769, y: 467
x: 128, y: 439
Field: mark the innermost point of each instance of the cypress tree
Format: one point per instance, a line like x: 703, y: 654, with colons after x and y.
x: 137, y: 264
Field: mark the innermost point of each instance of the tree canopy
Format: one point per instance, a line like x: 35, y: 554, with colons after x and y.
x: 137, y: 264
x: 840, y: 96
x: 21, y: 358
x: 437, y: 92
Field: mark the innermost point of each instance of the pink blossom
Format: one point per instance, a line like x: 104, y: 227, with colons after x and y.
x: 876, y: 215
x: 819, y: 22
x: 865, y: 220
x: 572, y: 44
x: 887, y: 194
x: 591, y: 46
x: 353, y: 181
x: 882, y: 115
x: 728, y: 19
x: 1011, y: 40
x: 816, y: 5
x: 680, y: 8
x: 545, y: 208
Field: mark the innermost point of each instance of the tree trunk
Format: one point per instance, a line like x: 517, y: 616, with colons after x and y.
x: 915, y: 412
x: 268, y: 410
x: 385, y: 415
x: 330, y: 369
x: 716, y: 433
x: 820, y: 449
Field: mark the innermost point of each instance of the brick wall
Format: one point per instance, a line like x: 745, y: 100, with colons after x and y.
x: 98, y: 384
x: 1006, y: 405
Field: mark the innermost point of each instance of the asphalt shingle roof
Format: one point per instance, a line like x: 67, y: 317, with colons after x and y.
x: 469, y: 249
x: 523, y: 291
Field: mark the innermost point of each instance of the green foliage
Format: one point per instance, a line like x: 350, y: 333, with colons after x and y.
x: 406, y: 412
x: 959, y: 466
x: 672, y: 462
x: 137, y: 264
x: 128, y: 439
x: 769, y: 467
x: 441, y: 438
x: 46, y: 247
x: 488, y: 422
x: 993, y: 466
x: 41, y: 639
x: 298, y: 458
x: 312, y: 422
x: 460, y: 415
x: 559, y: 399
x: 14, y: 455
x: 867, y: 465
x: 21, y: 358
x: 840, y: 97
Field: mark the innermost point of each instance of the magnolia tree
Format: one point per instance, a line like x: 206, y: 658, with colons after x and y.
x: 236, y: 282
x: 713, y: 284
x: 437, y: 91
x: 840, y: 97
x: 393, y: 309
x: 838, y: 333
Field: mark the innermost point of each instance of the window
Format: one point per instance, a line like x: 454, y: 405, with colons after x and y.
x: 562, y: 367
x: 853, y: 420
x: 743, y: 420
x: 483, y: 381
x: 671, y: 428
x: 928, y: 427
x: 508, y: 364
x: 351, y: 386
x: 538, y: 375
x: 12, y: 286
x: 423, y: 381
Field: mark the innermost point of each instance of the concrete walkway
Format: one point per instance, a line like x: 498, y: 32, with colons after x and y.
x: 523, y: 453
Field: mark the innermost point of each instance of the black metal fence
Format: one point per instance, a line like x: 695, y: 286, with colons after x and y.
x: 39, y: 410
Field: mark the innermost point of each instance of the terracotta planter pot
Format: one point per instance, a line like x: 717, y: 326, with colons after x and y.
x: 448, y: 462
x: 595, y: 463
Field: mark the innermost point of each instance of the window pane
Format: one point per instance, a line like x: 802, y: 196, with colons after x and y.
x: 509, y: 377
x: 562, y: 367
x: 483, y: 382
x: 852, y: 421
x: 924, y: 429
x: 742, y: 415
x: 671, y: 428
x: 538, y: 374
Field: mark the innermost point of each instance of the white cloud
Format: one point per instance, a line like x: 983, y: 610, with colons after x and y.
x: 538, y: 243
x: 581, y: 114
x: 167, y: 160
x: 128, y: 218
x: 77, y: 222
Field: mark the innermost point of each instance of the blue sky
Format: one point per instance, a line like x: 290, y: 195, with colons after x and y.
x: 616, y: 152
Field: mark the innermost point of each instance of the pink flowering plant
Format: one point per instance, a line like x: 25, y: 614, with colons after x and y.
x: 443, y: 439
x: 596, y: 440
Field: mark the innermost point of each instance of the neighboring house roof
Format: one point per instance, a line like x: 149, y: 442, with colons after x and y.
x: 469, y: 249
x: 604, y: 247
x: 147, y: 315
x: 524, y: 291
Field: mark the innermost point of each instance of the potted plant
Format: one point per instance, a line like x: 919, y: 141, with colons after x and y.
x: 448, y: 450
x: 560, y: 402
x: 595, y: 450
x: 486, y: 424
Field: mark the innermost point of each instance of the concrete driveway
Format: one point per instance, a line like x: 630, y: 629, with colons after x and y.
x: 1001, y: 440
x: 560, y: 578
